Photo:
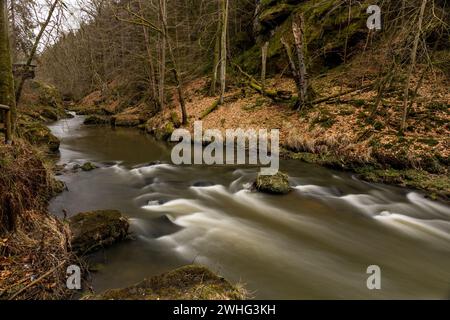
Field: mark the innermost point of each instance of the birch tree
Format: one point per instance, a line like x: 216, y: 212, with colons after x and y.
x: 223, y: 51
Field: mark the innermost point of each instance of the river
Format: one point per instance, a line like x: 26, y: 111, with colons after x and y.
x: 314, y: 243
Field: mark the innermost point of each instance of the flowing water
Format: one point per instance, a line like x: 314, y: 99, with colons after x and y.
x: 316, y: 242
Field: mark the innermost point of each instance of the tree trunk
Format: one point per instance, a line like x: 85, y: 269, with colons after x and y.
x: 6, y: 76
x: 264, y: 50
x: 298, y: 31
x: 162, y: 58
x: 152, y: 81
x: 7, y: 216
x: 216, y: 60
x: 34, y: 49
x: 223, y: 54
x: 412, y: 65
x: 292, y: 65
x: 176, y: 74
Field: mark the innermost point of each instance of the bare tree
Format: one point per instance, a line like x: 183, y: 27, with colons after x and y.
x: 34, y: 49
x: 223, y: 51
x: 412, y: 65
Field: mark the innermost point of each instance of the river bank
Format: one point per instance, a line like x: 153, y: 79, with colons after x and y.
x: 211, y: 216
x: 166, y: 240
x: 335, y: 134
x: 37, y: 247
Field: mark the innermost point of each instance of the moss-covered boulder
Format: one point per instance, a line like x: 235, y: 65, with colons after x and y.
x: 187, y: 283
x: 47, y: 95
x: 49, y: 114
x: 97, y: 229
x: 161, y: 132
x: 276, y: 184
x: 38, y: 134
x: 96, y: 120
x: 88, y: 166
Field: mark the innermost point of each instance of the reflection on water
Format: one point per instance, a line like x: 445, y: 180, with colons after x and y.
x: 316, y: 242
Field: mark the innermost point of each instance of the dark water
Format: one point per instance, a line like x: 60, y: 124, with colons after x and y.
x: 316, y: 242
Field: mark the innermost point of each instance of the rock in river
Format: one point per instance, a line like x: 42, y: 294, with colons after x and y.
x: 97, y: 229
x: 88, y: 166
x: 187, y: 283
x: 276, y: 184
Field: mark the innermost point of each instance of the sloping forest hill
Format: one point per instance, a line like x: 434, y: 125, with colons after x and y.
x: 376, y: 102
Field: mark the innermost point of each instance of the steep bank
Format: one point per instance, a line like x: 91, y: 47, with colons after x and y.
x: 335, y: 134
x: 36, y: 247
x: 377, y: 101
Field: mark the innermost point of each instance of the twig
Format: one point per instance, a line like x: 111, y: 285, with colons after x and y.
x: 36, y: 281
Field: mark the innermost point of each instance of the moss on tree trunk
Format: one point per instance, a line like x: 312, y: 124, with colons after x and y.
x: 6, y: 75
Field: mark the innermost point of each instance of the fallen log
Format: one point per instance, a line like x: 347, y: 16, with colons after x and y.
x: 210, y: 109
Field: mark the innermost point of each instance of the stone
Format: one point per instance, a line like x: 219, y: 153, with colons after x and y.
x: 97, y: 229
x: 276, y: 184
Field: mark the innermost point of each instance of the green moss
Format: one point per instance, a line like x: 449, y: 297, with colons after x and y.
x: 436, y: 184
x: 48, y: 95
x: 325, y: 120
x: 275, y: 14
x: 175, y: 119
x: 165, y: 132
x: 38, y: 134
x: 97, y: 229
x: 88, y: 166
x: 378, y: 125
x: 187, y: 283
x: 275, y: 184
x: 429, y: 141
x: 49, y: 114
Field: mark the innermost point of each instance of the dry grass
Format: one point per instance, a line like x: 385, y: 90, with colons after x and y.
x: 34, y: 248
x: 339, y: 128
x: 187, y: 283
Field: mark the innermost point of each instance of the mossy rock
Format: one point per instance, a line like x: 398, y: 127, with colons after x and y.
x: 275, y: 14
x: 164, y: 132
x: 187, y: 283
x: 38, y: 134
x: 49, y: 114
x: 88, y: 166
x: 276, y: 184
x: 96, y: 120
x: 97, y: 229
x: 48, y: 95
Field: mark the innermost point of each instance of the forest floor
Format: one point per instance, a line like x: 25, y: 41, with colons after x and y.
x: 339, y: 133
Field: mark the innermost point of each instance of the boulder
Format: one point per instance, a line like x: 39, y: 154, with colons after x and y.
x: 49, y: 114
x: 38, y: 134
x: 187, y: 283
x: 88, y: 166
x: 276, y: 184
x: 97, y: 229
x: 96, y: 120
